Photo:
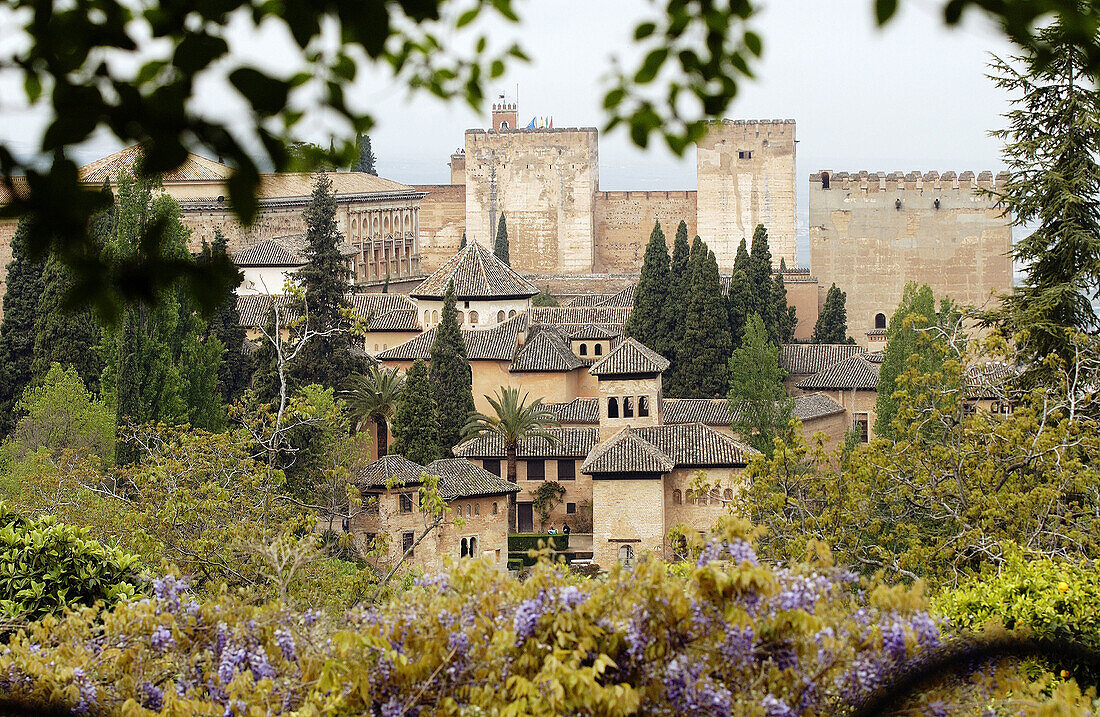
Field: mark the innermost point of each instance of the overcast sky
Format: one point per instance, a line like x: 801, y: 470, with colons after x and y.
x: 912, y: 97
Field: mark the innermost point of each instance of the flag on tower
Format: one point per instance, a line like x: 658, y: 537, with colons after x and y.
x: 531, y: 124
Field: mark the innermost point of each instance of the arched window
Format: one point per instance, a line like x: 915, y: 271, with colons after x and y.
x: 703, y: 497
x: 612, y: 407
x: 643, y: 406
x: 880, y: 321
x: 628, y: 407
x: 500, y: 316
x: 599, y: 349
x: 473, y: 547
x: 435, y: 317
x: 427, y: 317
x: 677, y: 497
x: 626, y: 555
x: 477, y: 508
x: 584, y: 349
x: 511, y: 313
x: 824, y: 180
x: 473, y: 317
x: 728, y: 494
x: 504, y: 125
x: 469, y: 511
x: 461, y: 318
x: 465, y: 549
x: 494, y: 508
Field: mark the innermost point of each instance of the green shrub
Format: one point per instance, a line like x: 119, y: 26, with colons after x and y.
x: 522, y: 542
x: 46, y: 566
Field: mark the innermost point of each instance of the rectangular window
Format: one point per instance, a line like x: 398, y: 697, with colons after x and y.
x: 567, y: 470
x: 371, y: 502
x: 406, y: 502
x: 862, y: 427
x: 493, y: 466
x: 407, y: 539
x: 744, y: 154
x: 570, y: 508
x: 536, y: 470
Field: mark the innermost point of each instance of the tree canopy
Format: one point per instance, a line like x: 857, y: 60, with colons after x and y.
x: 832, y: 322
x: 648, y: 319
x: 758, y: 402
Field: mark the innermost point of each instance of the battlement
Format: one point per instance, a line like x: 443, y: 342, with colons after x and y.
x: 524, y: 130
x: 621, y: 195
x: 756, y: 121
x: 863, y: 180
x: 505, y: 107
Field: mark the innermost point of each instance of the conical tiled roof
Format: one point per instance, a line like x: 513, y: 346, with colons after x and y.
x: 545, y: 351
x: 378, y: 473
x: 627, y: 452
x: 630, y: 358
x: 477, y: 274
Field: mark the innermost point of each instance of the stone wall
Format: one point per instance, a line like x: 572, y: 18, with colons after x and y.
x: 544, y: 181
x: 627, y: 512
x: 442, y: 222
x: 624, y: 221
x: 870, y: 233
x: 746, y: 177
x: 805, y: 295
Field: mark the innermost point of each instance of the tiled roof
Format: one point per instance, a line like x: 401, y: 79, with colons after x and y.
x: 853, y: 372
x: 300, y: 184
x: 815, y: 405
x: 623, y: 299
x: 573, y: 442
x: 477, y: 274
x: 253, y: 308
x: 579, y: 315
x: 459, y: 478
x: 591, y: 332
x: 711, y: 411
x: 989, y: 380
x: 628, y: 359
x: 378, y: 304
x: 193, y: 169
x: 399, y: 320
x: 579, y: 410
x: 693, y: 444
x: 378, y: 473
x: 495, y: 344
x: 805, y: 359
x: 267, y: 253
x: 627, y: 452
x: 588, y: 300
x: 545, y: 350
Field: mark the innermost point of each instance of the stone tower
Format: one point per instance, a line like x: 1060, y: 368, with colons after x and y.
x: 746, y: 177
x: 505, y: 114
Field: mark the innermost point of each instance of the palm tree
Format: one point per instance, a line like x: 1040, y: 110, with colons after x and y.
x: 372, y: 397
x: 515, y: 420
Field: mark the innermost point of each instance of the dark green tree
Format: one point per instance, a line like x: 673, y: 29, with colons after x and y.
x: 832, y: 322
x: 782, y: 313
x: 760, y: 277
x: 649, y: 317
x: 912, y: 341
x: 704, y: 352
x: 679, y: 281
x: 22, y: 293
x: 416, y: 418
x: 327, y: 359
x: 500, y: 247
x: 463, y: 244
x: 759, y: 404
x: 365, y: 163
x: 65, y: 335
x: 1054, y: 187
x: 450, y: 376
x: 543, y: 298
x: 739, y: 305
x: 225, y: 324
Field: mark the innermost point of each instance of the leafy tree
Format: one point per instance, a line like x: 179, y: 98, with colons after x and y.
x: 500, y: 246
x: 1053, y: 187
x: 759, y: 404
x: 22, y: 293
x: 785, y: 320
x: 373, y: 397
x: 60, y: 413
x: 64, y: 335
x: 416, y: 418
x: 832, y: 322
x: 225, y: 324
x: 366, y: 155
x: 513, y: 420
x: 450, y: 376
x: 648, y: 319
x: 913, y: 339
x: 705, y: 349
x: 760, y: 279
x: 327, y: 359
x: 543, y: 298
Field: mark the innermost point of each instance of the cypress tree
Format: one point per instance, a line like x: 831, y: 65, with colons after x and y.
x: 784, y: 315
x: 416, y: 418
x: 225, y: 325
x: 65, y: 335
x: 676, y: 307
x: 705, y: 348
x: 17, y: 330
x: 500, y: 248
x: 450, y: 376
x: 739, y: 305
x: 760, y: 274
x: 366, y: 160
x: 647, y: 322
x: 463, y: 244
x: 832, y: 322
x: 326, y: 360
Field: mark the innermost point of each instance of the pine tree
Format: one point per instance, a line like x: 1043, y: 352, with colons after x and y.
x: 326, y: 360
x: 17, y: 330
x: 648, y: 319
x: 500, y: 248
x: 1054, y: 187
x: 705, y: 348
x: 450, y: 376
x: 832, y: 322
x: 760, y: 276
x: 366, y: 160
x: 64, y: 335
x: 416, y: 418
x: 225, y: 325
x: 759, y: 404
x: 783, y: 315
